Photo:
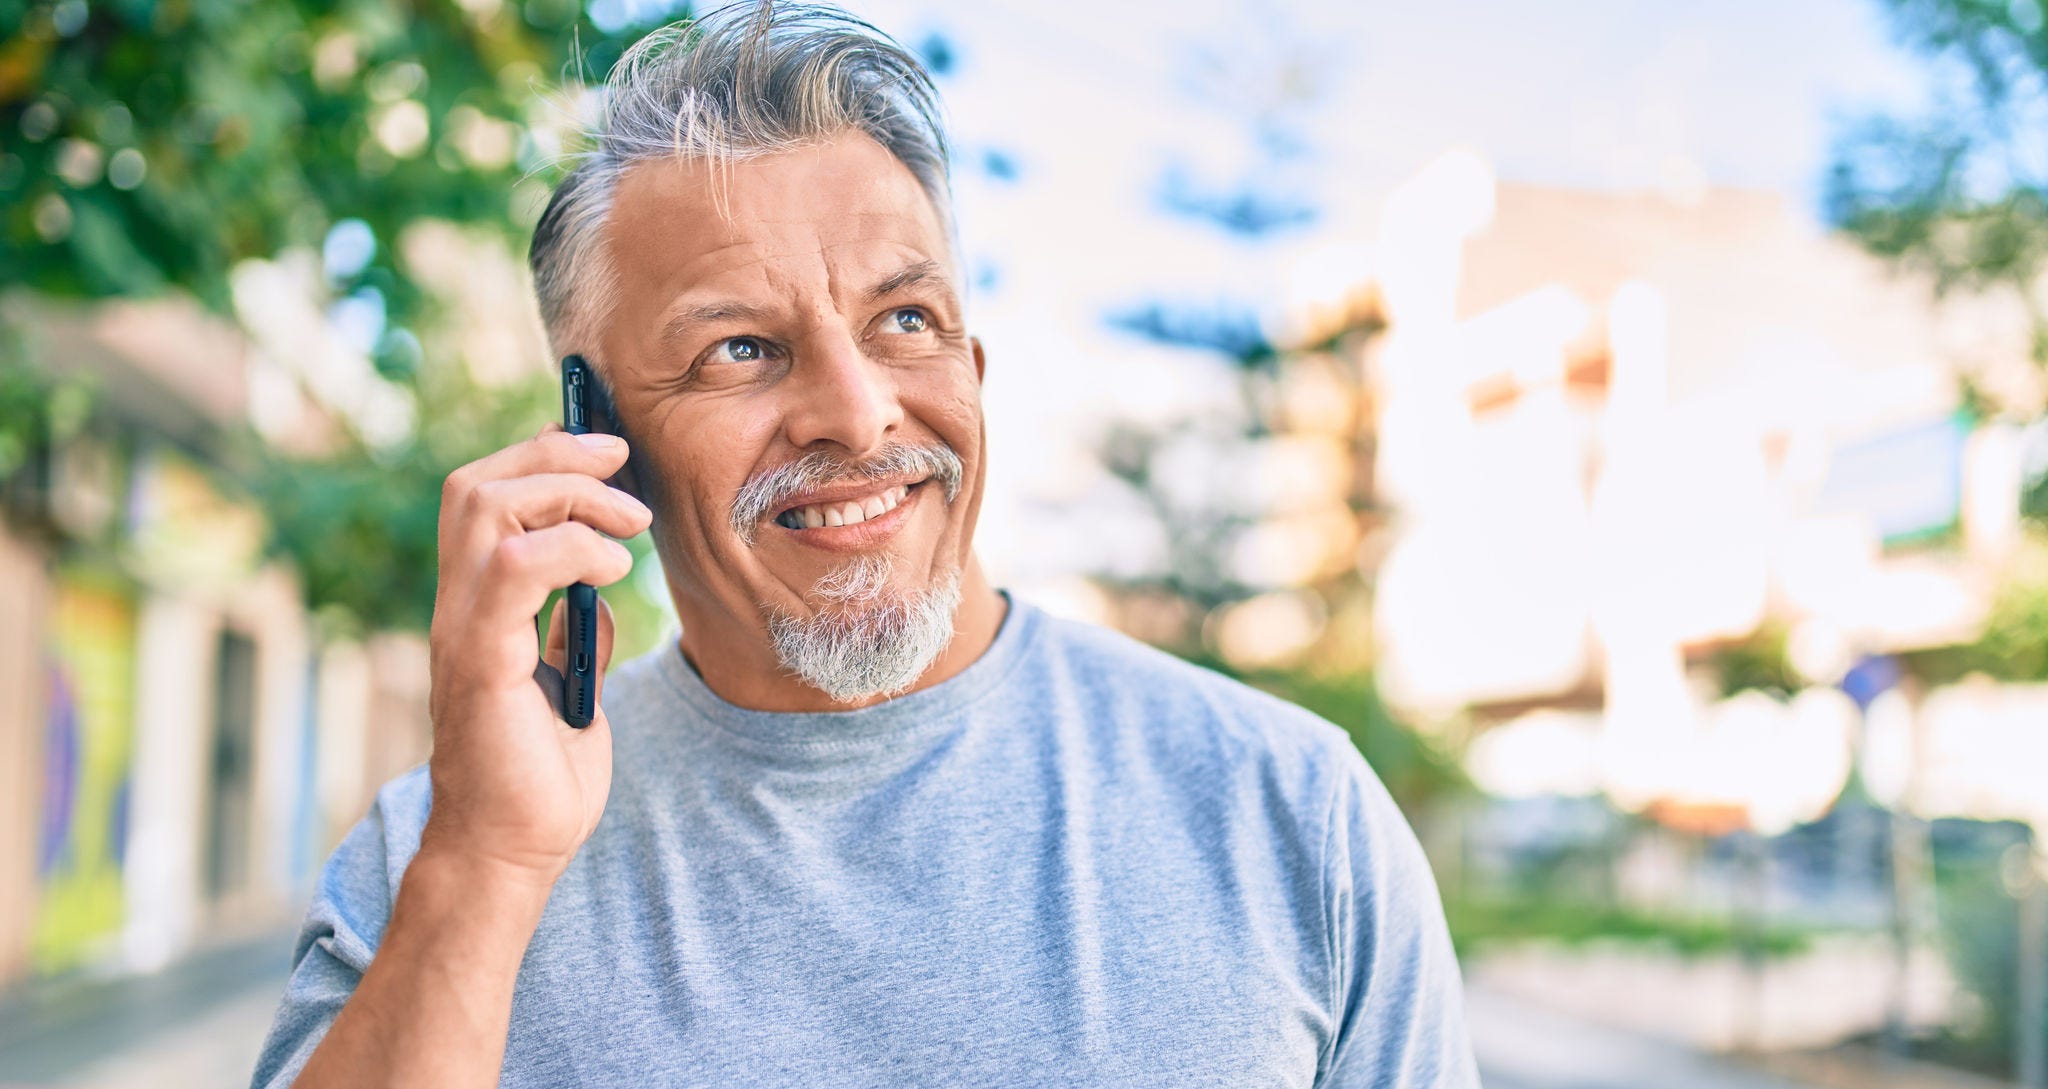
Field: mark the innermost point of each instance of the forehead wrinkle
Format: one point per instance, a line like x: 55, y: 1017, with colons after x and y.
x: 676, y: 329
x: 783, y: 274
x: 679, y: 324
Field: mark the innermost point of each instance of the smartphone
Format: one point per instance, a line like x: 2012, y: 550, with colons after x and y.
x: 579, y: 665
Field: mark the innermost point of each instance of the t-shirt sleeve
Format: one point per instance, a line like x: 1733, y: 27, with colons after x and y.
x: 1399, y: 1000
x: 344, y: 924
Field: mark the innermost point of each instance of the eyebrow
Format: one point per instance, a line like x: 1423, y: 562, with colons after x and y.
x: 680, y: 323
x: 919, y: 272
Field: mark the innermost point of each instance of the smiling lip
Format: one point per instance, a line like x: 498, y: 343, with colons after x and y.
x: 859, y: 536
x: 857, y: 489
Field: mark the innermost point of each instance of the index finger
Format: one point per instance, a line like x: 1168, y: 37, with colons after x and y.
x: 551, y: 451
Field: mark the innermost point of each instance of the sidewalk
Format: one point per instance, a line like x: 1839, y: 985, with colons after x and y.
x: 1522, y: 1045
x: 198, y: 1022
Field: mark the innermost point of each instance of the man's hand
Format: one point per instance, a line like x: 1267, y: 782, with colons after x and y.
x: 515, y: 787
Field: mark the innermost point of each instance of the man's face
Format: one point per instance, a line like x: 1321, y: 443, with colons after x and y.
x: 788, y: 343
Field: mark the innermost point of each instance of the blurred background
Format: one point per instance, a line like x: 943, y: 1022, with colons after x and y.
x: 1625, y: 419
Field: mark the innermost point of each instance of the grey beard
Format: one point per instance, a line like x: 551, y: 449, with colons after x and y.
x: 869, y: 646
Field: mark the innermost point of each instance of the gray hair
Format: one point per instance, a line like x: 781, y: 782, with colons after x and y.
x: 870, y: 647
x: 748, y: 79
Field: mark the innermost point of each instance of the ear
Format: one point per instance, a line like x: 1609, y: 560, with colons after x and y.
x: 980, y: 359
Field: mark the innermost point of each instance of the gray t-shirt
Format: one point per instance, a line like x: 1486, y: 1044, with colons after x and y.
x: 1079, y: 862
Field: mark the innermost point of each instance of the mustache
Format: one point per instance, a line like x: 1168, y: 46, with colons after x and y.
x: 768, y: 491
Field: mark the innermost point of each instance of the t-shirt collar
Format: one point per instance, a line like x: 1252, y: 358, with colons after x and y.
x: 900, y: 720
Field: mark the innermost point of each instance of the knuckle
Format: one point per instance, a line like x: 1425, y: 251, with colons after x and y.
x: 589, y: 543
x: 485, y: 495
x: 515, y: 555
x: 584, y: 536
x: 602, y: 502
x: 456, y: 485
x: 560, y: 443
x: 614, y: 560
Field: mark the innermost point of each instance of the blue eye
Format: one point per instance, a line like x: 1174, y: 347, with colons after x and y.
x: 907, y: 320
x: 738, y: 350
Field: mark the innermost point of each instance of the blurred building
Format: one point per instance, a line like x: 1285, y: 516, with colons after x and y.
x: 182, y: 742
x: 1619, y: 433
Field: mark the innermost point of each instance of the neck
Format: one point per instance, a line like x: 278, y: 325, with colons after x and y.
x: 738, y: 664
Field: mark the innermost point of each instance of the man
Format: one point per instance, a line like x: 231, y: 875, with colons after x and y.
x: 871, y: 822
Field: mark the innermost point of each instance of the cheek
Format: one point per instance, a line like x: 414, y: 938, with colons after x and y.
x: 950, y: 406
x: 707, y: 457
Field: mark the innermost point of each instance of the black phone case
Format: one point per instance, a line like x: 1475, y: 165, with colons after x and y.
x: 579, y: 665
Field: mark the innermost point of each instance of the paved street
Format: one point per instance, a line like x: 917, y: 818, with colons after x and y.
x: 201, y: 1022
x: 1523, y: 1046
x: 198, y: 1023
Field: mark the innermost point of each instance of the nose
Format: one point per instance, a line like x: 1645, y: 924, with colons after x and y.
x: 840, y: 396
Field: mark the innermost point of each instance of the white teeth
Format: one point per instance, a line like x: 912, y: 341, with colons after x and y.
x: 848, y: 513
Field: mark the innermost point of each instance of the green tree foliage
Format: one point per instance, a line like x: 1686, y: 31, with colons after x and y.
x: 1258, y: 88
x: 1757, y: 661
x: 1483, y: 923
x: 37, y: 410
x: 151, y: 147
x: 154, y: 145
x: 1417, y: 770
x: 1960, y: 192
x: 1976, y: 878
x: 362, y: 529
x: 2013, y: 645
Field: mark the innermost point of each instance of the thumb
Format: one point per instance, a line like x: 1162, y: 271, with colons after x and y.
x: 604, y: 641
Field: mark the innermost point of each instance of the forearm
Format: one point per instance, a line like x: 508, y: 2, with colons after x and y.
x: 434, y: 1006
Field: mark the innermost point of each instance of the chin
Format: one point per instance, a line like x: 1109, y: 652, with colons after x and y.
x: 868, y: 641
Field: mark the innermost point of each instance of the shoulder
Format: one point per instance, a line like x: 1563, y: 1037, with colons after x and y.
x: 374, y: 855
x: 1199, y: 722
x: 403, y: 803
x: 359, y: 883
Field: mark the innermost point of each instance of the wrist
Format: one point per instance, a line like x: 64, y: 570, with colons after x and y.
x: 480, y: 887
x: 434, y: 1006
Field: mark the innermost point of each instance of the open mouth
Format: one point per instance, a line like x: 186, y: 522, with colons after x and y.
x: 846, y: 512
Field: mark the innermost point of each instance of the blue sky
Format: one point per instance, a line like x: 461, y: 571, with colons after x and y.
x: 1598, y: 92
x: 1583, y: 92
x: 1093, y: 102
